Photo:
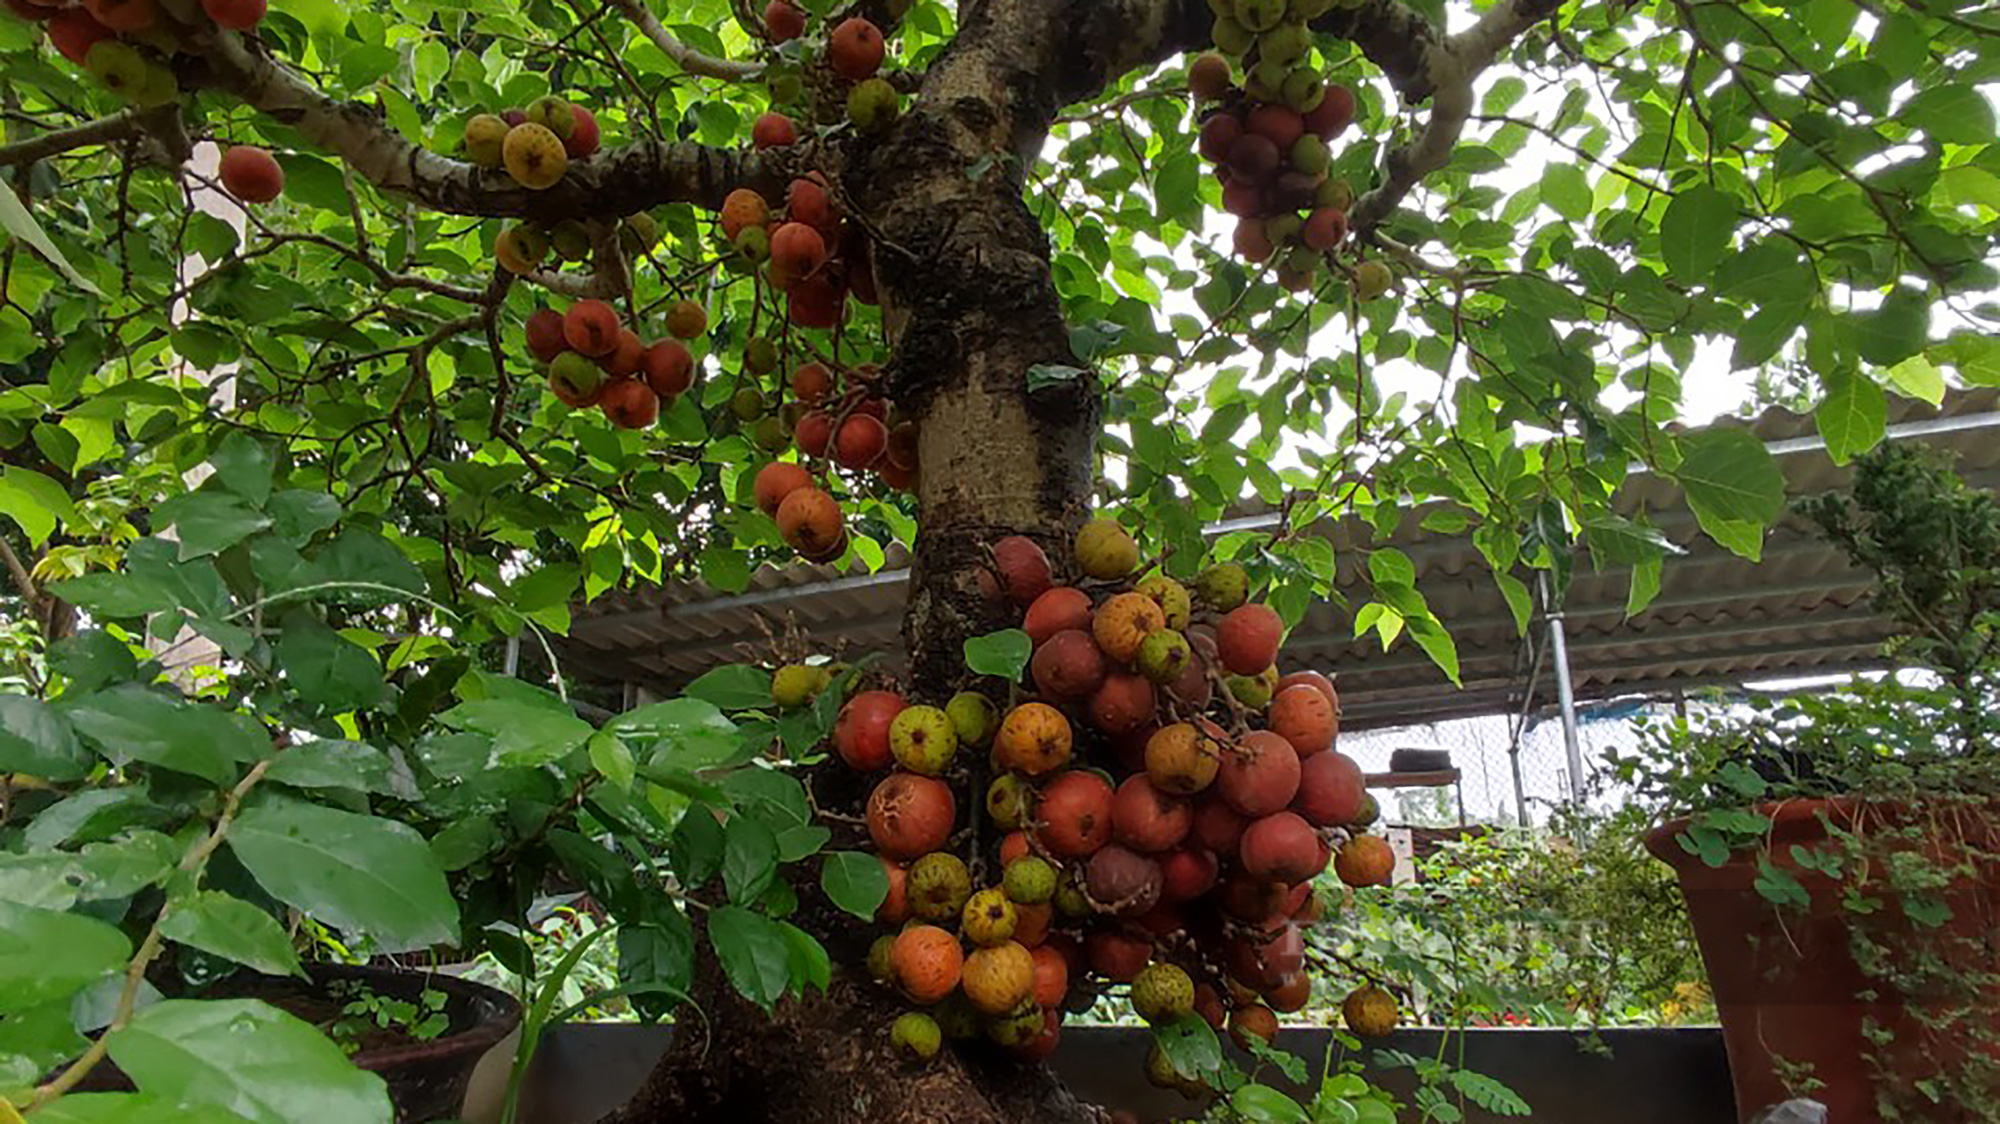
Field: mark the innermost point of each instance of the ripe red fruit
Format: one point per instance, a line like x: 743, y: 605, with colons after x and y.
x: 1247, y: 639
x: 742, y: 209
x: 1219, y: 134
x: 584, y: 136
x: 1255, y: 900
x: 30, y: 10
x: 544, y: 334
x: 630, y: 404
x: 807, y: 201
x: 860, y: 443
x: 1325, y: 228
x: 1281, y: 847
x: 247, y: 172
x: 1303, y: 716
x: 909, y: 815
x: 783, y: 22
x: 810, y: 522
x: 1243, y: 199
x: 1260, y: 775
x: 855, y: 49
x: 1331, y: 790
x: 626, y: 358
x: 773, y: 130
x: 1187, y: 873
x: 861, y: 732
x: 123, y: 15
x: 1281, y: 123
x: 1208, y: 77
x: 873, y: 407
x: 1074, y: 814
x: 1122, y: 704
x: 1333, y: 114
x: 813, y: 434
x: 812, y: 383
x: 816, y: 302
x: 774, y: 482
x: 514, y: 117
x: 905, y: 445
x: 669, y: 368
x: 797, y: 249
x: 1068, y: 667
x: 1146, y: 819
x: 1217, y: 826
x: 1260, y: 963
x: 1251, y: 241
x: 591, y: 327
x: 234, y: 15
x: 1253, y: 157
x: 1123, y: 879
x: 1312, y: 679
x: 1059, y: 610
x: 1024, y: 568
x: 1117, y: 955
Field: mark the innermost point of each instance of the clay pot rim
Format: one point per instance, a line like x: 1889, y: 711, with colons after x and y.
x: 1792, y: 820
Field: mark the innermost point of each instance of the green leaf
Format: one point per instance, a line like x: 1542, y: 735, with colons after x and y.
x: 1854, y: 415
x: 696, y: 847
x: 33, y: 1042
x: 34, y: 501
x: 1042, y: 376
x: 1566, y: 190
x: 1519, y: 601
x: 36, y: 741
x: 233, y: 929
x: 325, y: 668
x: 1778, y: 886
x: 523, y: 732
x: 1917, y: 377
x: 337, y: 764
x: 1488, y: 1093
x: 1004, y: 653
x: 90, y: 815
x: 243, y: 465
x: 1437, y: 644
x: 658, y: 952
x: 1695, y: 232
x: 1261, y: 1104
x: 1954, y: 111
x: 1896, y: 330
x: 354, y: 872
x: 1645, y: 585
x: 609, y: 757
x: 130, y: 1108
x: 855, y: 882
x: 754, y: 953
x: 1190, y: 1046
x: 1730, y: 479
x: 685, y: 734
x: 249, y: 1058
x: 92, y: 659
x: 46, y: 955
x: 133, y: 723
x: 208, y: 523
x: 749, y: 858
x: 735, y: 686
x: 16, y: 220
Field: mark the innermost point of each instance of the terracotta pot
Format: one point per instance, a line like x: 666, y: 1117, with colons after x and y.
x: 1786, y: 982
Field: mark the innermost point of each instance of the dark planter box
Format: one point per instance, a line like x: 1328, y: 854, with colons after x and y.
x: 1653, y: 1076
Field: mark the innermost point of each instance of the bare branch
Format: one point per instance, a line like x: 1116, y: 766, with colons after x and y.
x: 104, y: 130
x: 684, y: 56
x: 616, y: 181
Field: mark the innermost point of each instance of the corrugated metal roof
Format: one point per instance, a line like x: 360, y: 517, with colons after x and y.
x: 1719, y: 618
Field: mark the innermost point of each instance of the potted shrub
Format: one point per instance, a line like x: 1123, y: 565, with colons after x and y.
x: 177, y: 850
x: 1837, y: 850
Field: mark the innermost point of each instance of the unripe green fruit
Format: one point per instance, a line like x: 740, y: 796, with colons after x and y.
x: 786, y: 88
x: 161, y: 87
x: 1306, y: 11
x: 1260, y: 90
x: 753, y: 244
x: 486, y: 139
x: 1283, y: 229
x: 1304, y: 89
x: 881, y: 964
x: 643, y: 228
x: 118, y: 66
x: 1009, y: 799
x: 794, y: 685
x: 1335, y: 193
x: 571, y: 240
x: 1223, y: 586
x: 974, y: 716
x: 1255, y: 691
x: 771, y: 434
x: 938, y: 886
x: 1372, y: 279
x: 1285, y: 44
x: 1170, y: 595
x: 1029, y: 880
x: 873, y: 105
x: 578, y: 377
x: 1260, y: 15
x: 989, y: 918
x: 956, y: 1016
x: 1162, y: 993
x: 1106, y: 550
x: 923, y: 740
x: 1270, y: 74
x: 1311, y: 156
x: 760, y: 356
x: 747, y: 404
x: 1071, y: 901
x: 1160, y: 1070
x: 1163, y: 655
x: 554, y: 114
x: 1371, y: 810
x: 1231, y: 37
x: 1017, y: 1027
x: 918, y: 1034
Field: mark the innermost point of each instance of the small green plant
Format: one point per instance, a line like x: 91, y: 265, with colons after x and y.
x: 367, y: 1013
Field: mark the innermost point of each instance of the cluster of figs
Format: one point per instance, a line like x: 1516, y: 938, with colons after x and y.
x: 1149, y: 810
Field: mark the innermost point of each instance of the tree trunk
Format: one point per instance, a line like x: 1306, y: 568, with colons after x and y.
x: 968, y: 300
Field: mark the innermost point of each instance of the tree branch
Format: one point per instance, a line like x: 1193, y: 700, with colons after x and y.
x: 104, y: 130
x: 684, y: 56
x: 616, y: 181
